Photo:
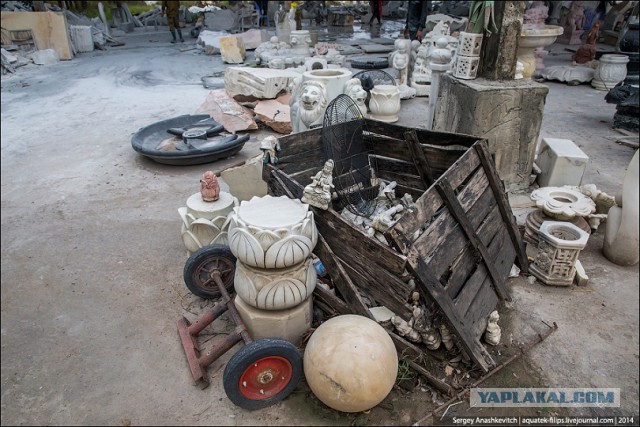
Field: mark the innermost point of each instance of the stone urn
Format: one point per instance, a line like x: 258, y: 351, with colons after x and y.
x: 300, y: 41
x: 334, y: 80
x: 612, y: 69
x: 272, y: 232
x: 558, y: 249
x: 385, y: 103
x: 530, y: 40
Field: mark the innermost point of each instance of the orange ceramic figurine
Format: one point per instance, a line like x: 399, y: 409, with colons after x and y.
x: 209, y: 187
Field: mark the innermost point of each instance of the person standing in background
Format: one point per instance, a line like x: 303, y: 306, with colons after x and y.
x: 172, y: 9
x: 417, y: 12
x: 376, y: 11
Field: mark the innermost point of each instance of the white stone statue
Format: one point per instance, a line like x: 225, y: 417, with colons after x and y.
x: 310, y: 105
x: 421, y: 75
x: 447, y: 337
x: 401, y: 60
x: 270, y: 147
x: 353, y: 88
x: 493, y: 332
x: 318, y: 193
x: 383, y: 221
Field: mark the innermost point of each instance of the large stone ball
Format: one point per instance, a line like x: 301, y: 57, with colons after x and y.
x: 350, y: 363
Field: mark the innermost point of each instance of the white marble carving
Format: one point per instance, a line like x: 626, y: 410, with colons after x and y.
x: 309, y: 106
x: 385, y: 220
x: 272, y: 232
x: 401, y: 60
x: 493, y: 332
x: 353, y: 88
x: 421, y: 74
x: 612, y: 69
x: 519, y: 71
x: 300, y: 41
x: 563, y: 202
x: 333, y: 79
x: 318, y: 193
x: 261, y: 83
x: 558, y: 249
x: 469, y: 44
x: 447, y: 337
x: 275, y: 289
x: 385, y: 103
x: 621, y: 234
x: 569, y: 74
x: 270, y: 147
x: 205, y: 223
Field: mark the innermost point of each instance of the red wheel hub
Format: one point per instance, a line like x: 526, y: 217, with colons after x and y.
x: 265, y: 378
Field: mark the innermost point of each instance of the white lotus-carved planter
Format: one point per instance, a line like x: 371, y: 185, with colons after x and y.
x: 276, y: 289
x: 558, y: 249
x: 205, y: 223
x: 385, y: 103
x: 272, y: 232
x: 612, y: 69
x: 562, y: 202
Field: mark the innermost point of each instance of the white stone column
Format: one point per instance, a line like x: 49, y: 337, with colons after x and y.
x: 439, y: 62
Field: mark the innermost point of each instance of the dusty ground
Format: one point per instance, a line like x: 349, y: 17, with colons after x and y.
x: 92, y: 257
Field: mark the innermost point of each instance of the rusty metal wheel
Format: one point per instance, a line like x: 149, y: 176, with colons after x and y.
x: 198, y: 271
x: 262, y: 373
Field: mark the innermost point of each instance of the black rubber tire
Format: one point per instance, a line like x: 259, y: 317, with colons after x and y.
x: 200, y: 265
x: 250, y: 354
x: 373, y: 63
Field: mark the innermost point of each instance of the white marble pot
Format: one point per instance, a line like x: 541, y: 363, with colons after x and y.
x: 612, y: 69
x: 334, y: 80
x: 469, y: 44
x: 385, y: 103
x: 300, y: 41
x: 272, y: 232
x: 275, y: 289
x: 558, y: 249
x: 205, y: 223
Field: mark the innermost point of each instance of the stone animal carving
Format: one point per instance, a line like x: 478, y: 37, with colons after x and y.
x: 270, y: 147
x: 311, y: 105
x: 209, y: 187
x: 493, y: 332
x: 318, y: 193
x: 353, y: 88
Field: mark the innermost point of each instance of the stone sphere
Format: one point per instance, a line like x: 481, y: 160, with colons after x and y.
x: 350, y: 363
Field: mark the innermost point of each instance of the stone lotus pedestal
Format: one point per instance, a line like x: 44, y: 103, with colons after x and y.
x: 563, y: 203
x: 289, y: 324
x: 612, y: 69
x: 205, y: 223
x: 275, y: 289
x: 536, y: 218
x: 558, y: 250
x: 385, y: 103
x: 272, y: 232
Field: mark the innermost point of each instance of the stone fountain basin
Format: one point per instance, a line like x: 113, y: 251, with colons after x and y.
x: 540, y: 37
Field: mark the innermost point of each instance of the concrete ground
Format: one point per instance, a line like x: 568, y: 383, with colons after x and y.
x: 92, y: 257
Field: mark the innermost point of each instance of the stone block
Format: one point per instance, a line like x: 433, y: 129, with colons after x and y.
x: 253, y: 38
x: 246, y: 181
x: 288, y: 324
x: 81, y: 38
x: 232, y: 49
x: 561, y: 162
x: 45, y: 57
x: 226, y: 111
x: 507, y: 113
x: 261, y: 83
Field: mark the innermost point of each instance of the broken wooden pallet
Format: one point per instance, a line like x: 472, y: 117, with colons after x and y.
x: 458, y: 245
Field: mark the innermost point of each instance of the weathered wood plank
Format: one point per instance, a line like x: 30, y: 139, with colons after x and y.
x: 370, y: 286
x: 405, y: 348
x: 301, y: 142
x: 445, y: 190
x: 425, y: 136
x: 340, y: 278
x: 470, y: 289
x: 332, y: 301
x: 483, y: 304
x: 419, y: 158
x: 503, y: 203
x: 430, y: 286
x: 357, y: 240
x: 432, y: 379
x: 304, y: 177
x: 297, y: 163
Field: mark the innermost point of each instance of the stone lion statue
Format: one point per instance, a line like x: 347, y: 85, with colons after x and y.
x: 310, y: 106
x: 353, y: 88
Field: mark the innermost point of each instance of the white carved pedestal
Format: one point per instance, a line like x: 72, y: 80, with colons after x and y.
x: 558, y: 249
x: 385, y: 103
x: 272, y: 239
x: 205, y: 223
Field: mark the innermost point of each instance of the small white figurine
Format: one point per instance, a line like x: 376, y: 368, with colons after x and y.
x: 270, y: 147
x: 493, y: 332
x: 318, y: 193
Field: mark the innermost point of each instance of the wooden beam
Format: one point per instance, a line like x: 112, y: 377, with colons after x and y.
x: 445, y: 190
x: 503, y: 204
x: 420, y: 160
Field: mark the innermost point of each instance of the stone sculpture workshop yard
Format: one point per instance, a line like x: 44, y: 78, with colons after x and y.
x: 96, y: 235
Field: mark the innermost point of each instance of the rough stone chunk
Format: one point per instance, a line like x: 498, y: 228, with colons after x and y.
x: 275, y: 115
x: 261, y: 83
x: 232, y: 49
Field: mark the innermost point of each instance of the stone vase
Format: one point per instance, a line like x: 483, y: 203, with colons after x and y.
x: 469, y: 44
x: 385, y: 103
x: 558, y: 249
x: 612, y: 69
x: 334, y: 80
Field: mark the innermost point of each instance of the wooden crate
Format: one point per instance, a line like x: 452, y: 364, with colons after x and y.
x: 458, y: 246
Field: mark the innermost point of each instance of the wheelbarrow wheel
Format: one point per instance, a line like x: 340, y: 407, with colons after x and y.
x: 198, y: 271
x: 262, y: 373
